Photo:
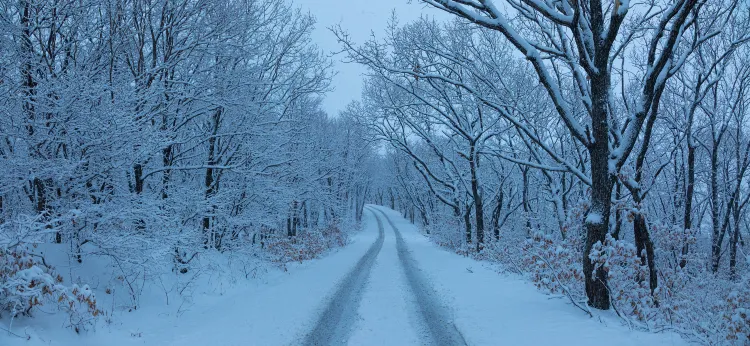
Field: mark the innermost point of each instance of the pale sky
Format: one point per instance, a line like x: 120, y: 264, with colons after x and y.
x: 359, y: 18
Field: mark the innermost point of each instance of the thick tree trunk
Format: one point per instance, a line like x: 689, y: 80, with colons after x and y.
x: 209, y: 191
x: 734, y: 206
x: 597, y: 222
x: 597, y: 218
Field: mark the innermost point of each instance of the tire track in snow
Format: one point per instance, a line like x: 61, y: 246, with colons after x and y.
x: 334, y: 324
x: 435, y: 316
x: 387, y: 315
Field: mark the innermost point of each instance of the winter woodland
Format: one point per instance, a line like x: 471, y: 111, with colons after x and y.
x: 599, y: 149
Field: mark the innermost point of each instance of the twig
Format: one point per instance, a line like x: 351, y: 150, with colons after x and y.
x: 14, y: 334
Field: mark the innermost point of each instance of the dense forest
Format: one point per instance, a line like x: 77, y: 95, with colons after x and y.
x: 154, y: 131
x: 600, y: 149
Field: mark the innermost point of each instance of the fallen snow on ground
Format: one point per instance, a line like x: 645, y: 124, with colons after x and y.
x: 281, y: 308
x: 498, y: 309
x: 276, y: 309
x: 386, y: 314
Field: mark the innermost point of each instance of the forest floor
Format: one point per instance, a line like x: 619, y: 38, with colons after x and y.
x: 390, y: 286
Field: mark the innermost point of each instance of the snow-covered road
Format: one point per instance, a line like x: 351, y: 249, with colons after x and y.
x: 419, y: 294
x: 488, y: 308
x: 435, y: 316
x: 400, y: 307
x: 334, y: 324
x: 390, y: 286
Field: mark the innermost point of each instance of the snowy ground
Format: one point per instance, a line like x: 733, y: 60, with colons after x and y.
x: 378, y: 290
x: 493, y: 309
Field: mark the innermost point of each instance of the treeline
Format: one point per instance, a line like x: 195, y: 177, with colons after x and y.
x: 160, y: 130
x: 602, y: 150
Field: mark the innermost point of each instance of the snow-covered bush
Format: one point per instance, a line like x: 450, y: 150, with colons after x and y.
x: 554, y: 267
x: 26, y: 282
x: 305, y: 246
x: 628, y: 278
x: 553, y: 263
x: 444, y: 230
x: 736, y: 314
x: 506, y: 252
x: 708, y: 310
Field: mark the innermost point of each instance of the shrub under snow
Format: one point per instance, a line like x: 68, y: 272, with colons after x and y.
x: 305, y: 246
x: 704, y: 307
x: 26, y: 282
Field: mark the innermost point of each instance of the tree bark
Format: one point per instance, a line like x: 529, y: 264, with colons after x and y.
x: 689, y: 191
x: 496, y: 214
x: 733, y: 241
x: 597, y: 218
x: 643, y: 242
x: 210, y: 180
x: 467, y: 223
x: 478, y: 207
x: 717, y: 235
x: 525, y: 199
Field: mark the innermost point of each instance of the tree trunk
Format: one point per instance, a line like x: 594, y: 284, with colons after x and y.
x: 467, y: 223
x: 425, y: 220
x: 597, y: 218
x: 618, y: 214
x: 716, y: 240
x: 733, y: 241
x: 735, y: 205
x: 525, y: 199
x: 687, y: 223
x: 303, y: 215
x: 28, y: 89
x: 496, y: 215
x: 478, y: 207
x: 210, y: 184
x: 138, y: 177
x: 643, y: 242
x: 167, y: 162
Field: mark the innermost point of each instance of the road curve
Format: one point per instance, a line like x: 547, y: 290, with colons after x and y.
x: 435, y: 316
x: 335, y: 323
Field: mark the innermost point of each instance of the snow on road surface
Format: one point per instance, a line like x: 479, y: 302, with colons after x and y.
x: 334, y: 324
x: 401, y: 307
x: 385, y: 313
x: 390, y: 286
x: 283, y: 312
x: 494, y: 309
x: 435, y: 315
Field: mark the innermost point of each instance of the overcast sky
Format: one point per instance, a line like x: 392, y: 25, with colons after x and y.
x: 359, y: 18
